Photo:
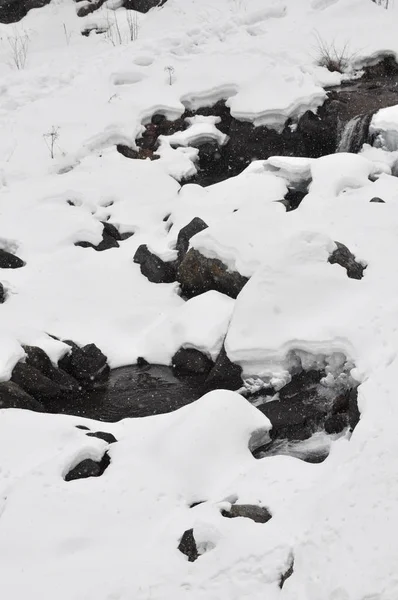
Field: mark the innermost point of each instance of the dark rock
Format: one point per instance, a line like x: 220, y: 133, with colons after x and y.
x: 318, y: 132
x: 157, y: 119
x: 196, y: 503
x: 293, y: 199
x: 141, y: 362
x: 353, y: 411
x: 90, y: 7
x: 37, y: 358
x: 292, y: 420
x: 107, y: 242
x: 153, y: 267
x: 386, y: 68
x: 376, y: 199
x: 111, y: 230
x: 143, y: 6
x: 127, y: 151
x: 140, y: 154
x: 225, y: 374
x: 343, y: 257
x: 198, y: 274
x: 186, y: 233
x: 258, y: 514
x: 35, y: 383
x: 340, y: 404
x: 87, y: 364
x: 12, y: 396
x: 97, y: 30
x: 187, y: 545
x: 189, y: 360
x: 126, y: 235
x: 336, y: 423
x: 89, y: 468
x: 3, y: 294
x: 303, y: 386
x: 109, y: 438
x: 12, y: 11
x: 287, y: 574
x: 83, y: 427
x: 10, y: 261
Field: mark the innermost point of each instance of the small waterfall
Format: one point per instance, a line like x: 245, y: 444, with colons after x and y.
x: 355, y: 133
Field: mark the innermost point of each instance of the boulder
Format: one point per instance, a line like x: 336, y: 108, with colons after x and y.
x: 189, y: 361
x: 198, y: 274
x: 153, y: 267
x: 224, y: 374
x: 303, y: 386
x: 345, y: 258
x: 88, y: 468
x: 186, y: 233
x: 13, y: 396
x: 35, y: 383
x: 87, y: 364
x: 188, y: 546
x: 37, y: 358
x: 10, y: 261
x: 258, y: 514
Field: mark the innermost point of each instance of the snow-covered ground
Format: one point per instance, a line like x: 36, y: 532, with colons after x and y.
x: 115, y: 537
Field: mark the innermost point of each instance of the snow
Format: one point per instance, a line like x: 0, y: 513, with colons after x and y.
x: 115, y: 537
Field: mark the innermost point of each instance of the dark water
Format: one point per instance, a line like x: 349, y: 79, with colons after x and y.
x: 136, y: 392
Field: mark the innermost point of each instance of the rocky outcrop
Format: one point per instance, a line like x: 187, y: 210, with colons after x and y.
x: 345, y: 258
x: 89, y: 468
x: 153, y: 267
x: 198, y: 274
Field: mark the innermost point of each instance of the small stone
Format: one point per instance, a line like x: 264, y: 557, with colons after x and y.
x: 88, y: 468
x: 10, y: 261
x: 258, y: 514
x: 187, y: 545
x: 109, y: 438
x: 188, y: 361
x: 377, y: 199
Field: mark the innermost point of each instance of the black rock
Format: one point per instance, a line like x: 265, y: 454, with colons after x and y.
x: 153, y: 267
x: 12, y: 11
x: 187, y: 545
x: 35, y: 383
x: 109, y: 438
x: 157, y: 119
x: 303, y: 386
x: 13, y: 396
x: 10, y: 261
x: 3, y: 294
x: 376, y: 199
x: 258, y: 514
x: 353, y: 411
x: 108, y: 241
x: 127, y: 151
x: 82, y: 427
x: 198, y: 274
x: 88, y: 468
x: 343, y: 257
x: 292, y: 420
x: 225, y: 374
x: 336, y: 423
x: 87, y: 364
x: 37, y: 358
x: 188, y: 361
x: 293, y: 199
x: 186, y: 233
x: 287, y: 574
x: 111, y: 230
x: 340, y: 404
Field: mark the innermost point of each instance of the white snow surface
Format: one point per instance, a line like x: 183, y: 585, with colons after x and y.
x: 115, y: 537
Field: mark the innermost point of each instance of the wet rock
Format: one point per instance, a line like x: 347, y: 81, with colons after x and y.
x: 387, y: 68
x: 87, y: 364
x: 191, y: 361
x: 198, y: 274
x: 153, y: 267
x: 353, y: 410
x: 258, y: 514
x: 287, y: 574
x: 225, y: 374
x: 319, y: 133
x: 303, y: 386
x: 37, y: 358
x: 336, y: 423
x: 340, y: 404
x: 188, y: 546
x: 292, y: 420
x: 13, y: 396
x: 89, y: 468
x: 10, y: 261
x: 35, y: 383
x: 378, y: 200
x: 345, y: 258
x: 109, y: 438
x: 186, y: 233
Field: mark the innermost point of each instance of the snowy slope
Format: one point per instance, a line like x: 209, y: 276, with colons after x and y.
x: 115, y: 537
